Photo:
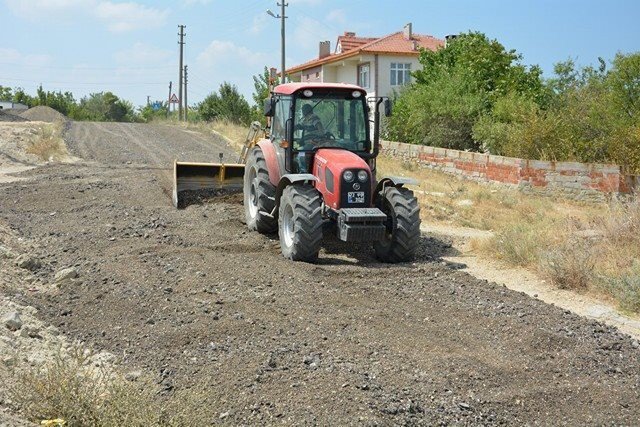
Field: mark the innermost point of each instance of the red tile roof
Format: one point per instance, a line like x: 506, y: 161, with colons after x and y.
x: 392, y: 44
x: 349, y: 41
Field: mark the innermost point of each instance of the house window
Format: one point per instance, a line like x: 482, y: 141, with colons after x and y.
x: 400, y: 73
x: 363, y: 75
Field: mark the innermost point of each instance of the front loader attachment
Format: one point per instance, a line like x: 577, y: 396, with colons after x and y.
x: 191, y: 178
x: 207, y: 179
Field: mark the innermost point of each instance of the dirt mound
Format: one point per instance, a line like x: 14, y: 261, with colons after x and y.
x: 5, y: 116
x: 43, y: 114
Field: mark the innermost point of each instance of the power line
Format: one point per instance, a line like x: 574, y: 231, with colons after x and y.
x: 201, y: 79
x: 83, y: 68
x: 82, y: 83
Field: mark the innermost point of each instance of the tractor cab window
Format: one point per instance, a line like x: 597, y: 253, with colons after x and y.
x: 331, y: 119
x: 279, y: 119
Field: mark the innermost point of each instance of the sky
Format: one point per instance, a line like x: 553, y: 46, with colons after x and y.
x: 131, y: 47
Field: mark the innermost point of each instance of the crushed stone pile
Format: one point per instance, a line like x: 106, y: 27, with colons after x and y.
x: 6, y: 116
x: 43, y: 114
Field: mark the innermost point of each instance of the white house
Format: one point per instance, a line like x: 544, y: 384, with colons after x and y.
x: 8, y: 105
x: 378, y: 64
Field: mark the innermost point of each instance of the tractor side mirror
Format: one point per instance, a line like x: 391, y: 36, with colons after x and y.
x: 269, y: 107
x: 387, y: 107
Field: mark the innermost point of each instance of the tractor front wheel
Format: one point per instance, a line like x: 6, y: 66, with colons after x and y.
x: 402, y: 225
x: 300, y: 223
x: 259, y: 194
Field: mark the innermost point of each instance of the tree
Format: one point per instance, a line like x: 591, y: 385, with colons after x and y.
x: 226, y: 104
x: 261, y: 83
x: 6, y: 93
x: 147, y: 113
x: 20, y: 96
x: 104, y: 106
x: 458, y: 84
x: 594, y: 116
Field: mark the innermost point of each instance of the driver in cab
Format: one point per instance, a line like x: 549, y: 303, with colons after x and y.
x: 311, y: 124
x: 313, y: 133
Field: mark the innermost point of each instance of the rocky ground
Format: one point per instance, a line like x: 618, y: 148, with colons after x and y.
x: 194, y: 299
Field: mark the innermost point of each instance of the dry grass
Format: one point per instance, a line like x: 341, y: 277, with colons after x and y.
x: 69, y: 388
x: 234, y: 133
x: 48, y: 144
x: 581, y: 246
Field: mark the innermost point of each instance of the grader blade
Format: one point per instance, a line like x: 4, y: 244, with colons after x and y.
x: 192, y: 179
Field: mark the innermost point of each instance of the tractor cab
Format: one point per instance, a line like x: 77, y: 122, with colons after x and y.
x: 308, y: 117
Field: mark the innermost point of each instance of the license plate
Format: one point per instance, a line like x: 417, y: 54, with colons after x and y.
x: 355, y: 197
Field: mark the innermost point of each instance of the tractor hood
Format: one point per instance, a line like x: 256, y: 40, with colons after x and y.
x: 338, y: 160
x: 329, y: 166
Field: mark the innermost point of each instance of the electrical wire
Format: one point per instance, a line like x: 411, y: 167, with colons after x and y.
x: 55, y: 67
x: 83, y: 83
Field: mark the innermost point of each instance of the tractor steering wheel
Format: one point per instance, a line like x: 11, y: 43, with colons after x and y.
x: 326, y: 140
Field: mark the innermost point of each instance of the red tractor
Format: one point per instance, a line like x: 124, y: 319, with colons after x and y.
x: 319, y: 165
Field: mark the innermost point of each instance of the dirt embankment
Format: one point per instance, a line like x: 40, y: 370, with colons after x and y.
x: 9, y: 116
x: 27, y: 143
x: 43, y: 113
x: 194, y: 299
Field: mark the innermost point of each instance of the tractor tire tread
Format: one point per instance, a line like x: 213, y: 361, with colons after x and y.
x: 406, y: 236
x: 264, y: 224
x: 306, y: 204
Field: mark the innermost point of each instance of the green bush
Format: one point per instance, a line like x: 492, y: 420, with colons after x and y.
x: 226, y: 104
x: 476, y: 95
x: 456, y: 86
x: 103, y: 107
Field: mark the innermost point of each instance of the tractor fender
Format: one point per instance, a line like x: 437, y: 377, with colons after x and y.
x: 393, y: 181
x: 290, y: 179
x: 269, y: 152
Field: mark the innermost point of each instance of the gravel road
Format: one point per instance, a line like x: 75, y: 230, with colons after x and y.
x: 195, y: 299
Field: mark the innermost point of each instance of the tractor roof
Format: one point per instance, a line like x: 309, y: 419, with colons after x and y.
x: 290, y: 88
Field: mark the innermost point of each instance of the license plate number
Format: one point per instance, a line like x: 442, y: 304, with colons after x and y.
x: 355, y: 197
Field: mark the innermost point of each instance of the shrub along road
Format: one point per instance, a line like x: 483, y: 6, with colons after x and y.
x: 194, y: 299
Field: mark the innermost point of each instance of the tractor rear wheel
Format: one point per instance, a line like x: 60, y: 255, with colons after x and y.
x: 300, y: 223
x: 403, y: 225
x: 259, y: 194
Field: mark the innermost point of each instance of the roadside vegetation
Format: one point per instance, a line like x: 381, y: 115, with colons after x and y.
x: 476, y: 95
x: 47, y: 142
x: 100, y: 106
x: 581, y: 246
x: 225, y: 104
x: 68, y: 390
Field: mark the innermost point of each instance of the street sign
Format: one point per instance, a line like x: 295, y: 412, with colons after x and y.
x: 156, y: 106
x: 174, y: 99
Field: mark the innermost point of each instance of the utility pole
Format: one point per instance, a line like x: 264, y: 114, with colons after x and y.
x: 282, y: 18
x: 169, y: 99
x: 148, y: 100
x: 181, y: 43
x: 186, y: 106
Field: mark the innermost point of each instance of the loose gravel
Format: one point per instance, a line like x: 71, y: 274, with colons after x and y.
x: 197, y: 300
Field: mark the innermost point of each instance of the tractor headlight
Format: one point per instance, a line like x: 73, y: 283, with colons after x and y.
x: 363, y: 176
x: 347, y: 176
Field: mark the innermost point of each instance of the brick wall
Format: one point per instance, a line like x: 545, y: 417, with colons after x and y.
x: 583, y: 181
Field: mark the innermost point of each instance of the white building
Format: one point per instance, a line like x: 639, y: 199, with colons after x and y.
x: 8, y: 105
x: 380, y: 65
